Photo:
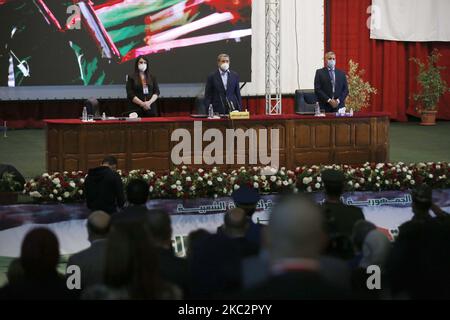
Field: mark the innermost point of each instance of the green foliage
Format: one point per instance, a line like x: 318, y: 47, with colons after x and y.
x: 432, y: 86
x: 359, y: 90
x: 8, y: 184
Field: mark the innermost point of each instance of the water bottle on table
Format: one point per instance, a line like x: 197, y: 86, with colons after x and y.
x: 84, y: 115
x: 210, y: 112
x: 317, y: 109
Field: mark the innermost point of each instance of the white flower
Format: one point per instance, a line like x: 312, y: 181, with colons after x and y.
x: 209, y: 183
x: 145, y: 176
x: 178, y: 183
x: 386, y: 182
x: 224, y: 190
x: 200, y: 179
x: 173, y: 186
x: 35, y: 194
x: 282, y: 173
x: 205, y: 175
x: 309, y: 189
x: 317, y: 185
x: 59, y: 199
x: 285, y: 183
x: 369, y: 179
x: 408, y: 177
x: 255, y: 185
x: 430, y: 176
x: 307, y: 180
x: 183, y: 167
x: 409, y: 171
x: 379, y: 165
x: 404, y: 169
x: 82, y: 180
x: 236, y: 187
x: 273, y: 178
x: 66, y: 194
x: 172, y: 173
x: 55, y: 191
x: 378, y: 178
x: 263, y: 178
x: 80, y: 192
x: 279, y: 183
x: 72, y: 184
x: 319, y: 179
x: 398, y: 183
x: 45, y: 175
x: 51, y: 196
x: 214, y: 170
x: 255, y: 177
x: 200, y: 170
x: 350, y: 183
x: 362, y: 180
x: 33, y: 184
x: 290, y: 181
x: 377, y: 185
x: 150, y: 189
x: 193, y: 188
x: 219, y: 179
x: 310, y: 171
x: 188, y: 179
x: 438, y: 167
x: 412, y: 182
x: 179, y: 188
x: 56, y: 181
x: 357, y: 185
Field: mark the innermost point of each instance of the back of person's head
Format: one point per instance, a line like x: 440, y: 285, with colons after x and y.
x: 422, y: 198
x: 137, y: 192
x: 110, y: 161
x: 360, y: 231
x: 235, y: 222
x: 40, y: 253
x: 246, y: 198
x: 160, y: 227
x: 15, y: 271
x: 295, y: 229
x: 131, y: 261
x: 375, y: 249
x: 334, y: 182
x: 194, y: 237
x: 98, y: 224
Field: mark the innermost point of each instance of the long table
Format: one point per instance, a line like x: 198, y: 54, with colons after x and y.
x: 147, y: 144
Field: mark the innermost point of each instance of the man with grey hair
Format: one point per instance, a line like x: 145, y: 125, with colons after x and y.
x: 222, y: 90
x: 91, y: 260
x: 330, y: 85
x: 295, y: 242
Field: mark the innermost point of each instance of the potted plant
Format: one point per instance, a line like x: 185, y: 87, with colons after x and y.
x: 432, y: 88
x: 9, y: 189
x: 359, y: 91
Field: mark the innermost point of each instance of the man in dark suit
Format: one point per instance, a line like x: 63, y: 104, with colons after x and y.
x: 91, y: 260
x: 339, y: 217
x: 330, y: 85
x: 222, y: 88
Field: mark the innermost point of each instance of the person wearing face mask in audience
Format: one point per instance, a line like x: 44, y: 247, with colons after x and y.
x: 142, y: 90
x: 222, y: 88
x: 330, y: 85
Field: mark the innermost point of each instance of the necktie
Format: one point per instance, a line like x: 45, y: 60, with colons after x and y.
x: 333, y: 79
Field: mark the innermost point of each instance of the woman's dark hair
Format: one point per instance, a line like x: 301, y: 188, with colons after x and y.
x: 40, y: 253
x: 136, y: 69
x: 131, y: 261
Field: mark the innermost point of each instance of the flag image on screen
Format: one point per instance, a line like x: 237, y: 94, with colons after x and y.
x: 51, y: 42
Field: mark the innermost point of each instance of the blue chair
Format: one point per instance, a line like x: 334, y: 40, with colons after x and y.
x: 305, y: 101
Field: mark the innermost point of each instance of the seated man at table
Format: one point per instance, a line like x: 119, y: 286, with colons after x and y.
x: 330, y: 85
x: 103, y: 187
x: 222, y: 89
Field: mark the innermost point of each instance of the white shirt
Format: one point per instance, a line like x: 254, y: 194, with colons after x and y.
x: 224, y: 75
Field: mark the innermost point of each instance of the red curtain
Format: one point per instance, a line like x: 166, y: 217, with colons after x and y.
x: 387, y: 64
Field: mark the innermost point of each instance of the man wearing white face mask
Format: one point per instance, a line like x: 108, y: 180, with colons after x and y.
x: 330, y: 85
x: 222, y: 88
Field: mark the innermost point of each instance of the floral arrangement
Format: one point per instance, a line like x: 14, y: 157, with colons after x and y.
x: 431, y: 82
x: 187, y: 183
x: 8, y: 184
x: 359, y: 90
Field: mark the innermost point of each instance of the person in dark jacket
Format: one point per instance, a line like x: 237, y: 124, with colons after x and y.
x: 104, y: 188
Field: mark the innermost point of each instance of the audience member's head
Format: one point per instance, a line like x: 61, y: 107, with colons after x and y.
x: 334, y: 183
x: 15, y: 271
x: 422, y: 199
x: 359, y: 233
x: 195, y: 237
x: 160, y: 228
x: 40, y: 253
x: 235, y: 223
x: 246, y: 198
x: 110, y: 161
x: 131, y: 261
x: 98, y: 224
x: 295, y: 229
x: 375, y: 249
x: 137, y: 192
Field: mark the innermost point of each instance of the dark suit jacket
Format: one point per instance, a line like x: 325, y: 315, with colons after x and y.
x: 216, y: 94
x: 324, y: 89
x: 91, y: 263
x: 135, y: 89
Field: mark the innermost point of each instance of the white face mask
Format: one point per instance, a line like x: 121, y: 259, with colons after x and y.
x: 331, y: 63
x: 142, y: 67
x: 225, y: 66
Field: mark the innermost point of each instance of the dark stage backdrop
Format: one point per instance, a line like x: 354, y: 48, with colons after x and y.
x: 181, y: 38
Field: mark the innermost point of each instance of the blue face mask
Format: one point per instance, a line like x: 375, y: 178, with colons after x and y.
x: 331, y: 63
